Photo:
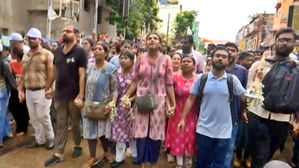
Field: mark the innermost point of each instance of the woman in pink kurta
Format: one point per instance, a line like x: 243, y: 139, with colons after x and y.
x: 150, y: 127
x: 183, y: 142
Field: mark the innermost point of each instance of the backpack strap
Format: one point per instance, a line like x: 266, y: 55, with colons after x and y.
x: 230, y: 85
x: 203, y: 81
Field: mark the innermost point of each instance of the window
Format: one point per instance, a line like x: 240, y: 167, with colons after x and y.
x: 99, y: 15
x: 86, y: 5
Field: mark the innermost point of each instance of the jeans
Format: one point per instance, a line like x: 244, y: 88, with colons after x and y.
x: 211, y: 152
x: 265, y: 137
x: 4, y: 123
x: 230, y: 151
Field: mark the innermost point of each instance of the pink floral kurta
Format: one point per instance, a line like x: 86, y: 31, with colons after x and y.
x: 145, y: 73
x: 184, y: 141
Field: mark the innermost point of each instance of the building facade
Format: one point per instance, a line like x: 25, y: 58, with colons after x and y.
x: 20, y: 15
x: 257, y: 33
x: 167, y: 13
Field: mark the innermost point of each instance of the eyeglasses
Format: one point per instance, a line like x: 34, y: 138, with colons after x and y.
x: 285, y: 40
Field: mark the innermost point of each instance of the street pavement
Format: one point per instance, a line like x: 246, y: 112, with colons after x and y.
x: 15, y: 155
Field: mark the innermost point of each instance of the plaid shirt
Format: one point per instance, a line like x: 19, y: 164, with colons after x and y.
x: 35, y: 68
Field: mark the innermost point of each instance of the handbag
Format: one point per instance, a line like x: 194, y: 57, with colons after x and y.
x: 95, y: 110
x: 147, y: 102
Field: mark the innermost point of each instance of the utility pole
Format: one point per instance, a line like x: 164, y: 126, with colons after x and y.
x: 49, y: 22
x: 125, y: 14
x: 95, y: 20
x: 167, y: 32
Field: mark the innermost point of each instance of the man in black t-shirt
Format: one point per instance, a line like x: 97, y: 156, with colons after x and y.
x: 70, y: 64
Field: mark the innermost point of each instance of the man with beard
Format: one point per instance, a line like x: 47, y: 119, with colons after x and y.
x: 187, y: 44
x: 214, y: 126
x: 267, y: 130
x: 69, y: 64
x: 237, y: 107
x: 36, y: 71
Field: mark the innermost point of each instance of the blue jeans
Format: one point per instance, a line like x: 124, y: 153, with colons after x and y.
x: 211, y: 152
x: 230, y: 151
x: 4, y: 123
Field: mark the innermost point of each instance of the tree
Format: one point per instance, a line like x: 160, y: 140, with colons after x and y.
x: 141, y: 13
x: 183, y: 23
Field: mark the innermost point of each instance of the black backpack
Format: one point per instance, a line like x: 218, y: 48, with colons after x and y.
x: 281, y: 88
x: 230, y: 85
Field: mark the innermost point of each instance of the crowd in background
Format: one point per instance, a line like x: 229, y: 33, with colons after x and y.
x: 54, y: 84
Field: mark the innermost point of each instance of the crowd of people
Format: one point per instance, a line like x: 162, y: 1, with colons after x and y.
x: 144, y: 96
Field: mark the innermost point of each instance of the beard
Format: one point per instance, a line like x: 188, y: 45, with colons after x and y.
x: 218, y: 66
x: 33, y: 45
x: 66, y: 39
x: 284, y: 51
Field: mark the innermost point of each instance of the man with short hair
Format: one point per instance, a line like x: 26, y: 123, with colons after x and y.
x: 246, y: 59
x: 36, y: 72
x: 268, y: 130
x: 70, y: 64
x: 214, y: 126
x: 237, y: 108
x: 187, y: 49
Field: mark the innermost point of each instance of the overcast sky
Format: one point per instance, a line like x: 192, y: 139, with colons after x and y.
x: 221, y: 19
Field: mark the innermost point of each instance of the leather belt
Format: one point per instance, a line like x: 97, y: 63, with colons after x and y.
x: 35, y: 88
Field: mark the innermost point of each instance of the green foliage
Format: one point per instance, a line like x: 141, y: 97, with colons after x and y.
x: 142, y: 14
x: 183, y: 23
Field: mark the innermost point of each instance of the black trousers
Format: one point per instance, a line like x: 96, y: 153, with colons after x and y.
x: 19, y: 112
x: 265, y: 137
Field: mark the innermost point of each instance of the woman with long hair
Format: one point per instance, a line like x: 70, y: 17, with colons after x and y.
x: 153, y: 75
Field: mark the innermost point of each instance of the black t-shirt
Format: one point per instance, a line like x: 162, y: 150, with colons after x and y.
x: 67, y: 72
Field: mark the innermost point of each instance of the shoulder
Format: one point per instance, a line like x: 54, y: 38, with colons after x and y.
x: 114, y: 58
x: 47, y: 52
x: 110, y: 68
x: 241, y: 68
x: 197, y: 53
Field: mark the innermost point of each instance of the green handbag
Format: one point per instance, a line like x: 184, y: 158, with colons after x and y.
x: 147, y: 103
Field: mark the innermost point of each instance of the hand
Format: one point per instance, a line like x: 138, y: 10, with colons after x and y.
x: 244, y: 118
x: 79, y: 102
x: 295, y: 128
x: 107, y: 109
x: 125, y: 102
x: 49, y: 93
x: 170, y: 111
x: 21, y: 95
x: 181, y: 125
